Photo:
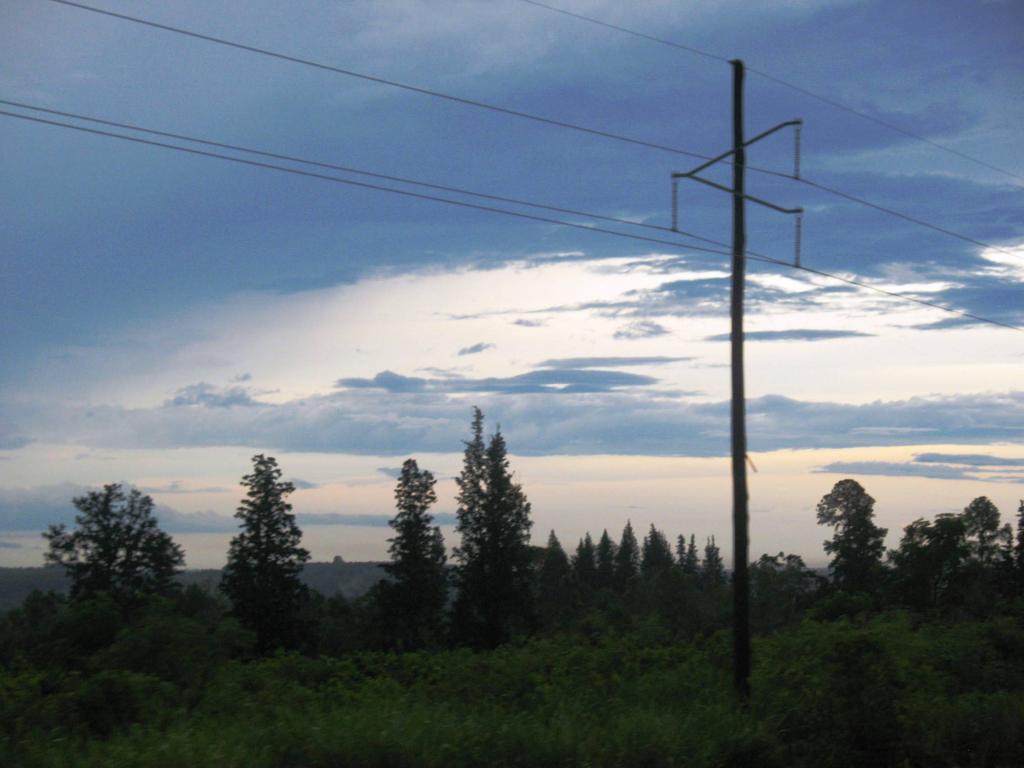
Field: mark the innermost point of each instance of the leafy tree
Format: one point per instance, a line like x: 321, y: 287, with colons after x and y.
x: 928, y: 566
x: 261, y: 577
x: 987, y: 540
x: 414, y: 600
x: 858, y: 543
x: 781, y: 587
x: 494, y: 573
x: 584, y: 567
x: 712, y: 571
x: 689, y: 560
x: 627, y: 558
x: 605, y: 561
x: 116, y: 547
x: 554, y: 583
x: 656, y: 557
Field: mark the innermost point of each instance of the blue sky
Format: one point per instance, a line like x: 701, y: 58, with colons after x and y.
x: 166, y: 315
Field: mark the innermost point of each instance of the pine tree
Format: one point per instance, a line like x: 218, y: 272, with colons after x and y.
x: 494, y: 573
x: 554, y: 583
x: 689, y: 560
x: 261, y: 577
x: 712, y: 571
x: 858, y: 543
x: 657, y: 554
x: 583, y: 563
x: 413, y: 602
x: 605, y: 561
x: 117, y: 546
x: 627, y: 559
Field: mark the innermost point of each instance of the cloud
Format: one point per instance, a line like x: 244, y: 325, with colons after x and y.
x: 969, y: 459
x: 210, y: 396
x: 896, y: 469
x: 526, y: 323
x: 371, y: 419
x: 9, y: 545
x: 372, y: 521
x: 303, y: 485
x: 641, y: 329
x: 242, y: 377
x: 549, y: 381
x: 392, y: 472
x: 609, y: 362
x: 475, y: 349
x: 796, y: 334
x: 175, y: 486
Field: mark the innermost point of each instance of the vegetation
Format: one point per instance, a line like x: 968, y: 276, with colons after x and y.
x: 618, y: 656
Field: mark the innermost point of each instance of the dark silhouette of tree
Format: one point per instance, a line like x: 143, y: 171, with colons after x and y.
x: 554, y: 584
x: 781, y: 588
x: 261, y: 577
x: 928, y: 567
x: 656, y: 556
x: 413, y: 602
x: 689, y: 560
x: 627, y: 558
x: 117, y: 546
x: 712, y: 571
x: 584, y: 566
x: 494, y: 574
x: 605, y: 561
x: 857, y: 544
x: 1018, y: 551
x: 986, y: 539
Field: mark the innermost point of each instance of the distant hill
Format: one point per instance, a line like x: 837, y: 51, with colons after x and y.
x: 350, y: 579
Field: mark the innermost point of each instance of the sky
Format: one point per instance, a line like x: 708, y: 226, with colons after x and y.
x: 167, y: 315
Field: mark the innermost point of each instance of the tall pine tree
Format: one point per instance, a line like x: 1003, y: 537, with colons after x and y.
x: 583, y: 564
x: 414, y: 600
x: 627, y: 559
x: 656, y: 557
x: 261, y: 577
x: 712, y: 571
x: 857, y: 544
x: 494, y: 574
x: 554, y: 584
x: 689, y: 560
x: 605, y: 561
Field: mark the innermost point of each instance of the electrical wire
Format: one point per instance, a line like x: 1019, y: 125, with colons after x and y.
x: 360, y: 172
x: 514, y: 113
x: 779, y: 81
x: 753, y: 256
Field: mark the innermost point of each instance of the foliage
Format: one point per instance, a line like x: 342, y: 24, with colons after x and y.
x: 857, y: 544
x: 116, y: 547
x: 494, y: 574
x: 627, y: 558
x: 712, y: 570
x: 261, y: 577
x: 656, y: 555
x: 413, y: 602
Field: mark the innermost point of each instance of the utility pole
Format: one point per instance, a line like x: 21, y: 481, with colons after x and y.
x: 740, y: 494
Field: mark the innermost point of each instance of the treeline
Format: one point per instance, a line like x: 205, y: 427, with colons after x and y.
x: 498, y: 587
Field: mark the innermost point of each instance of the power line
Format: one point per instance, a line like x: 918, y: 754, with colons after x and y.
x: 778, y: 80
x: 501, y: 211
x: 361, y: 172
x: 512, y: 112
x: 361, y: 184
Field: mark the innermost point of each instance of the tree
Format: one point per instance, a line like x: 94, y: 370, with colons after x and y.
x: 984, y: 535
x: 928, y: 567
x: 627, y: 558
x: 1018, y: 551
x: 413, y: 602
x: 261, y: 577
x: 689, y: 560
x: 781, y: 587
x: 656, y: 557
x: 494, y: 574
x: 583, y: 563
x: 605, y: 561
x: 554, y: 583
x: 117, y: 546
x: 857, y: 544
x: 712, y: 572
